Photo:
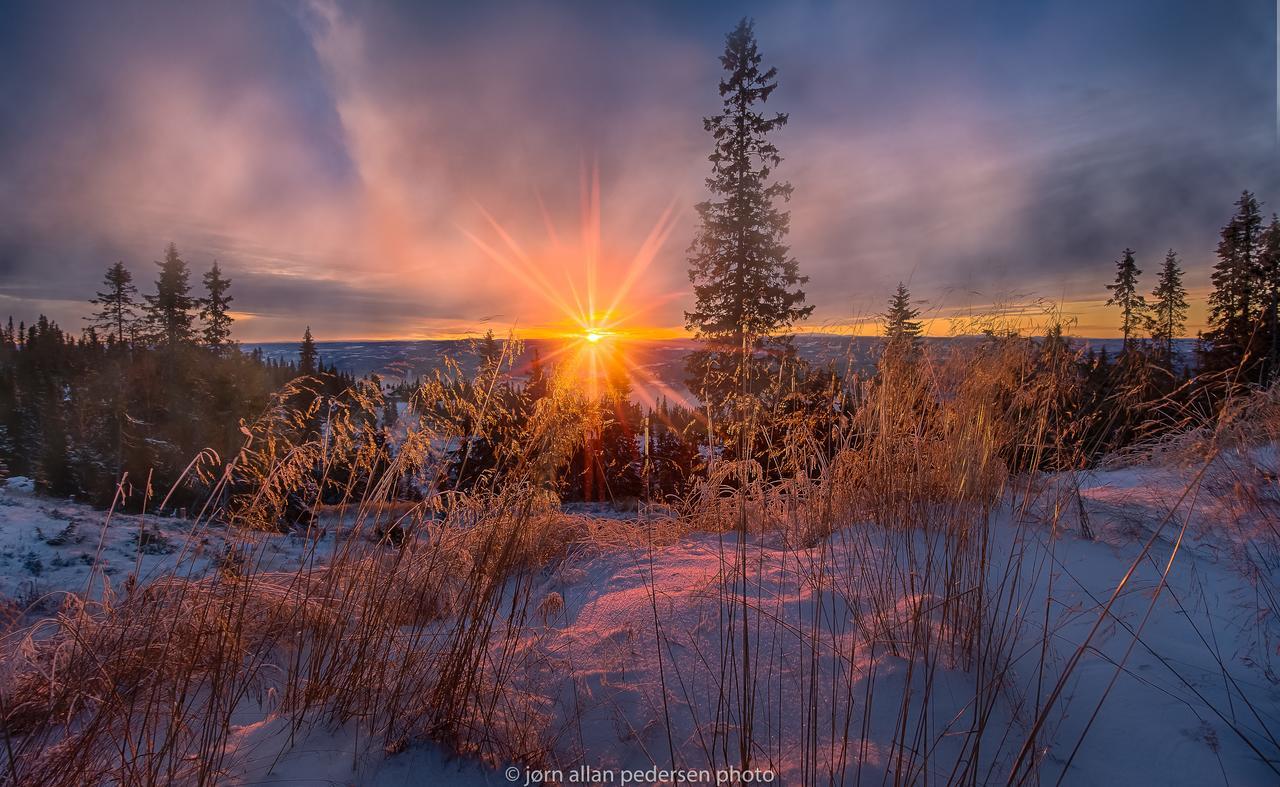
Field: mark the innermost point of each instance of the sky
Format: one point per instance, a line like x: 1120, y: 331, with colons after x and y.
x: 419, y: 170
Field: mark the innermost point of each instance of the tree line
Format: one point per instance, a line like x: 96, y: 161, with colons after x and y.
x: 152, y: 381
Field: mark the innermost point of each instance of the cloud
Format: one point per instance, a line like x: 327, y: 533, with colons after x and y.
x: 335, y: 157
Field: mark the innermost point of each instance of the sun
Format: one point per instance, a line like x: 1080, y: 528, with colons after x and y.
x: 597, y: 325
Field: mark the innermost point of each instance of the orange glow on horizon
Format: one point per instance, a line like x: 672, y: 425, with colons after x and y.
x: 1081, y: 318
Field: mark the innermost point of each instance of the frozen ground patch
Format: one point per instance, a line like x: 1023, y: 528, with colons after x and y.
x: 851, y: 671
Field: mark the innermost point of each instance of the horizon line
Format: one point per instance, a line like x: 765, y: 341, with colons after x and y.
x: 684, y: 337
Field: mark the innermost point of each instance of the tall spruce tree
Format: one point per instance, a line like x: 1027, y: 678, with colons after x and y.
x: 118, y: 302
x: 1168, y: 313
x: 1235, y: 286
x: 215, y: 309
x: 744, y: 278
x: 1125, y: 295
x: 169, y: 311
x: 901, y: 328
x: 308, y: 356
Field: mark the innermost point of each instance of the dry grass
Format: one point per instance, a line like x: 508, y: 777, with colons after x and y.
x: 417, y: 624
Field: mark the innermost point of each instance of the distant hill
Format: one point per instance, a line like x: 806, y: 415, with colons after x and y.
x: 661, y: 359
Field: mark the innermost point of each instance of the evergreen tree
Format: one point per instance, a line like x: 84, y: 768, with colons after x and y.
x: 1234, y: 296
x: 671, y: 463
x: 215, y: 309
x: 1124, y: 294
x: 617, y: 455
x: 118, y: 304
x: 744, y: 277
x: 169, y: 311
x: 1168, y: 313
x: 901, y: 328
x: 490, y: 350
x: 390, y: 412
x: 308, y: 356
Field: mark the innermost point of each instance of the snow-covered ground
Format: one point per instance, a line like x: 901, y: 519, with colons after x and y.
x: 1176, y: 680
x: 50, y: 546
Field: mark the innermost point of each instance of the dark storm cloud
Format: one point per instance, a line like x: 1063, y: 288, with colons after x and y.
x: 332, y: 155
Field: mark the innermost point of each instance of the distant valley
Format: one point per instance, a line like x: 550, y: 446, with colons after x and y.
x: 662, y: 361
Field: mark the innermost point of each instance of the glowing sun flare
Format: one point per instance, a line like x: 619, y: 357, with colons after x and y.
x: 586, y: 352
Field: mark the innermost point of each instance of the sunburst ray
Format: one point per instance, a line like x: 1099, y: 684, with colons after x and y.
x: 592, y: 344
